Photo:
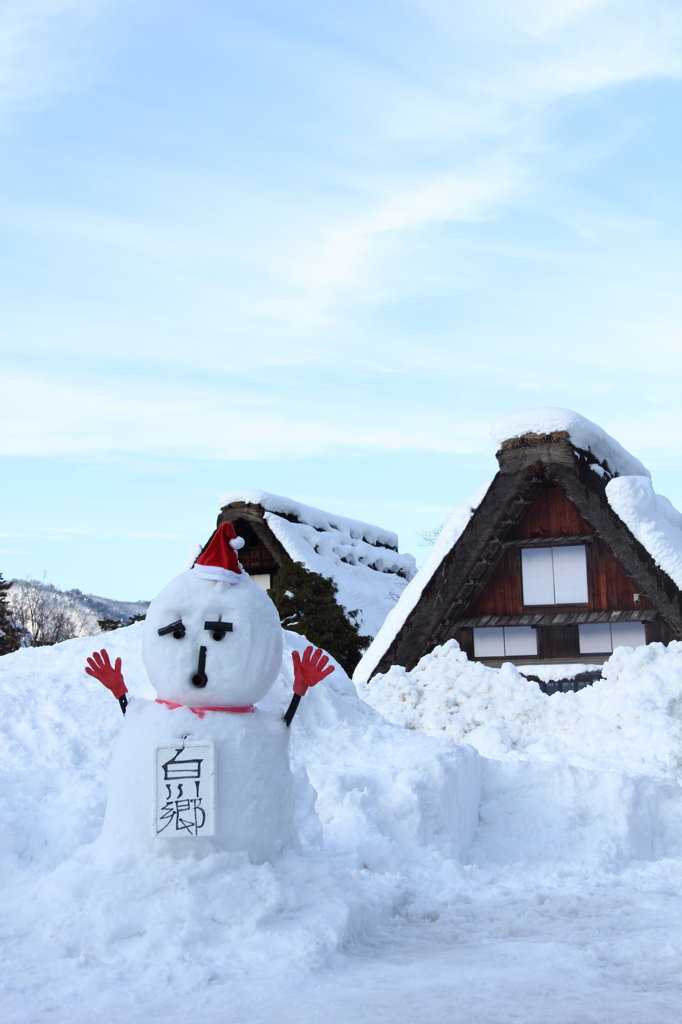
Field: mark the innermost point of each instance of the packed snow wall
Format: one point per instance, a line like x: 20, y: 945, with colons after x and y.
x: 591, y: 777
x: 378, y: 791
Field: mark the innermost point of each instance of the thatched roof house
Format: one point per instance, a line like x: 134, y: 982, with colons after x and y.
x: 569, y: 554
x: 362, y: 560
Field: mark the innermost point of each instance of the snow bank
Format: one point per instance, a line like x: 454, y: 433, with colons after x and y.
x: 575, y: 860
x: 378, y: 788
x: 630, y: 720
x: 361, y: 559
x: 583, y: 433
x: 386, y: 807
x: 598, y: 769
x: 538, y: 812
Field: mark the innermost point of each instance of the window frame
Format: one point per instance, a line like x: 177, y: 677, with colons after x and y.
x: 595, y: 628
x: 554, y: 575
x: 502, y: 632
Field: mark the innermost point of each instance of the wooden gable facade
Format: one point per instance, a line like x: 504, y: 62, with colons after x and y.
x: 262, y: 553
x: 545, y: 571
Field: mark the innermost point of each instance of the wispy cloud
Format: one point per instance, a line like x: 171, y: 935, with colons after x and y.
x: 177, y: 258
x: 343, y: 257
x: 59, y: 417
x: 490, y: 117
x: 43, y: 49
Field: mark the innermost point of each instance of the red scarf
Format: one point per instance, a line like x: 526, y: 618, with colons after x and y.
x: 202, y: 711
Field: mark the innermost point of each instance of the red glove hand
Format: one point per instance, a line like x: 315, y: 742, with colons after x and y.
x: 100, y: 667
x: 309, y: 669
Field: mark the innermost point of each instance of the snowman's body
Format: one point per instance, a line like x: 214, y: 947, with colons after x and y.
x: 253, y: 782
x: 215, y: 647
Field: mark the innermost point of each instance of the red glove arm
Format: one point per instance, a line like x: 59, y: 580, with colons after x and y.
x: 101, y: 668
x: 309, y: 669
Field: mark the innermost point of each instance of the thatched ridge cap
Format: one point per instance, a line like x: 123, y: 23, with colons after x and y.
x: 530, y: 439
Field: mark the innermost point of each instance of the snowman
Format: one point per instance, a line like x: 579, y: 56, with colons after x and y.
x: 202, y: 768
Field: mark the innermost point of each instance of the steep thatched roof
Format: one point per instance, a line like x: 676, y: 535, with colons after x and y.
x: 471, y: 545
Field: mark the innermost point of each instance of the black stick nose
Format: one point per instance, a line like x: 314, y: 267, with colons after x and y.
x: 200, y: 678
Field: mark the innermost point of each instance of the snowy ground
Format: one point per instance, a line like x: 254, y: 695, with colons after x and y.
x: 539, y: 881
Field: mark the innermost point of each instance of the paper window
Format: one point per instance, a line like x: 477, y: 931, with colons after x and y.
x: 604, y: 637
x: 505, y: 641
x: 556, y: 575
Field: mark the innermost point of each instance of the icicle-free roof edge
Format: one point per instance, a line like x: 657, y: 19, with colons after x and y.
x: 319, y: 518
x: 398, y: 615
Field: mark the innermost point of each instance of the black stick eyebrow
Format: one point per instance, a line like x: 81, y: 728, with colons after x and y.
x: 173, y: 627
x: 220, y: 627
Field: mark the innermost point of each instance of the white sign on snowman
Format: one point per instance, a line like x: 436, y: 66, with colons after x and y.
x: 185, y: 790
x: 212, y: 647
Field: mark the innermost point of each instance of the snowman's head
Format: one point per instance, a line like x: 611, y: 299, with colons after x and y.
x: 212, y: 643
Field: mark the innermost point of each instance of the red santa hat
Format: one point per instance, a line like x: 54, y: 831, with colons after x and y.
x: 218, y: 561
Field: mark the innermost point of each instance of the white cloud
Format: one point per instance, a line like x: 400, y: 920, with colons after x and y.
x: 262, y: 274
x: 543, y: 19
x: 43, y: 48
x: 346, y: 254
x: 583, y: 46
x: 57, y: 417
x: 490, y: 117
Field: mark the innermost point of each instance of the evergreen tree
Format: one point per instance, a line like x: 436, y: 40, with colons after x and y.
x: 11, y: 632
x: 106, y: 625
x: 307, y: 604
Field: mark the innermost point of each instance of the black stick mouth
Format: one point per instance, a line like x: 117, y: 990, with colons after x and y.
x: 199, y: 679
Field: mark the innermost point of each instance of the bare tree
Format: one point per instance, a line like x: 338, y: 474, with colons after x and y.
x: 42, y: 612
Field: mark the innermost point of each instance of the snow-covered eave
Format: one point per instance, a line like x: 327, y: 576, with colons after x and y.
x: 398, y: 615
x: 651, y: 519
x: 316, y: 517
x: 359, y: 554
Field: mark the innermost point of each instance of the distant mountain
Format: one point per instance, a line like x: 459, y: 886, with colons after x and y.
x: 49, y: 615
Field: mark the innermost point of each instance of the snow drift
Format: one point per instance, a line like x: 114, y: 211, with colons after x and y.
x: 575, y: 858
x: 593, y: 775
x: 379, y: 798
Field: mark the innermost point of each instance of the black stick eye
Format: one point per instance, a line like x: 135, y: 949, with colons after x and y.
x: 218, y: 629
x: 176, y: 628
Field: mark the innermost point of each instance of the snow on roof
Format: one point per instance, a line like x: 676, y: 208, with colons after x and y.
x: 652, y: 519
x: 583, y: 433
x: 361, y: 559
x: 397, y: 616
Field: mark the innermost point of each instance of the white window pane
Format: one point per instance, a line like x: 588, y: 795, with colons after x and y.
x: 489, y: 642
x: 537, y: 575
x: 264, y: 580
x: 595, y: 638
x: 570, y: 575
x: 628, y: 634
x: 520, y: 640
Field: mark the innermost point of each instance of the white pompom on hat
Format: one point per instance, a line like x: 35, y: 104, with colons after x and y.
x: 218, y: 561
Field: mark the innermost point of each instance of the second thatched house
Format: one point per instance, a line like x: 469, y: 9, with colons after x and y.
x: 569, y: 554
x: 363, y: 560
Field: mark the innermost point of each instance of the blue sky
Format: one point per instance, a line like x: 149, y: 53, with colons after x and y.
x: 319, y: 249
